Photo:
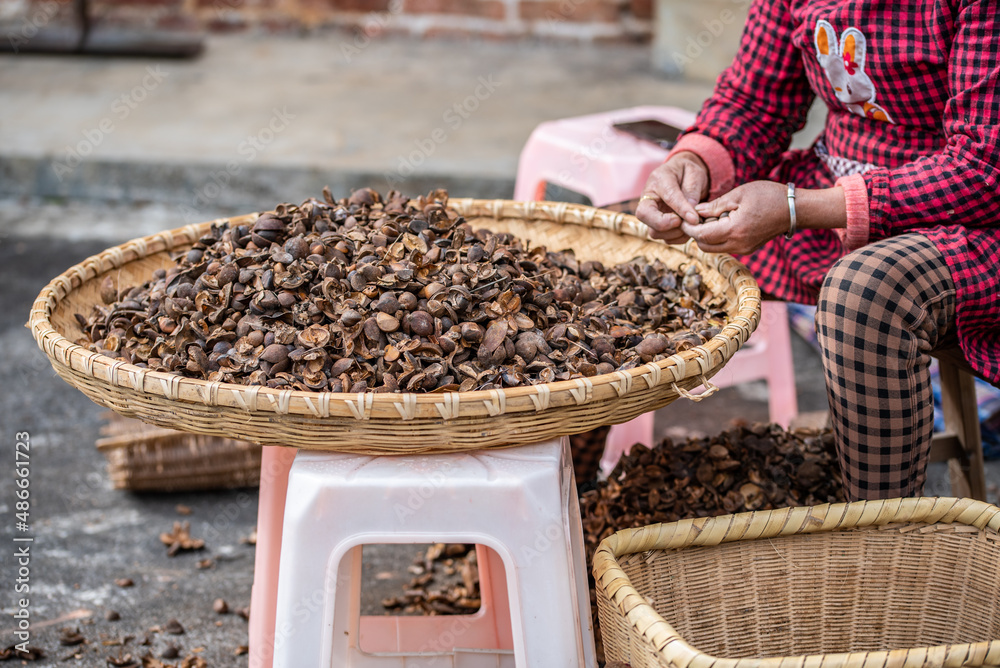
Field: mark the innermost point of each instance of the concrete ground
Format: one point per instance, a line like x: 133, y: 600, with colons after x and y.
x: 156, y: 137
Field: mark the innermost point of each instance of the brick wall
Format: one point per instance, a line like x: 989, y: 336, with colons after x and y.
x: 575, y: 20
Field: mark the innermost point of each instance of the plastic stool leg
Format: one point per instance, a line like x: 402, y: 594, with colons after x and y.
x: 543, y: 641
x: 782, y: 403
x: 493, y: 593
x: 579, y: 555
x: 274, y: 466
x: 622, y: 437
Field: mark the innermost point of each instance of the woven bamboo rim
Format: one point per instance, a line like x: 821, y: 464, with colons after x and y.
x: 662, y: 643
x: 373, y: 423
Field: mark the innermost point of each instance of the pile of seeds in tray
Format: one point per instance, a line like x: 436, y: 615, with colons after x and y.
x: 395, y: 294
x: 757, y: 467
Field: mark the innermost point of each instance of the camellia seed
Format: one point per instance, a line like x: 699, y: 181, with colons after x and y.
x: 385, y: 293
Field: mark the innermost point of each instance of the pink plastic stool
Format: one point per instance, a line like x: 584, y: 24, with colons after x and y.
x: 767, y: 355
x: 275, y: 464
x: 586, y: 155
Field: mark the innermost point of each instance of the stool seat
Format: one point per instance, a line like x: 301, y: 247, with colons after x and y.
x: 954, y: 356
x: 518, y: 502
x: 961, y: 444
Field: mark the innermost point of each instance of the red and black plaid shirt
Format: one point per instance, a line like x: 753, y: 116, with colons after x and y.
x: 930, y: 160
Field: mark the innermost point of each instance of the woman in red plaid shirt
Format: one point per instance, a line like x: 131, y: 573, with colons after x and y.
x: 896, y: 210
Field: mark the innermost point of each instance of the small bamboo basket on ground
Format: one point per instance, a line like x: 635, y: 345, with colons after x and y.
x: 143, y: 458
x: 398, y: 423
x: 871, y: 584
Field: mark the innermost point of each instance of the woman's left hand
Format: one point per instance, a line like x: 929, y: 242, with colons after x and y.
x: 756, y: 213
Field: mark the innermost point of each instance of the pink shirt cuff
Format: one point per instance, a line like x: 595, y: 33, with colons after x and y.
x: 858, y: 221
x: 721, y: 172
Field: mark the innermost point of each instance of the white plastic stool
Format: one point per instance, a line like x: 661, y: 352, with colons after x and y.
x: 489, y: 628
x: 586, y: 155
x: 519, y: 502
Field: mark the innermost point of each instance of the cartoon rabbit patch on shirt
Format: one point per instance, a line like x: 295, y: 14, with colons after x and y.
x: 844, y: 65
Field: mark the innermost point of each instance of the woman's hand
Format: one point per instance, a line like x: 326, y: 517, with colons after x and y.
x: 670, y: 194
x: 755, y: 213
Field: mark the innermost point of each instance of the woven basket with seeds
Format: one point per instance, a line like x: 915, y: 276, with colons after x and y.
x: 497, y: 411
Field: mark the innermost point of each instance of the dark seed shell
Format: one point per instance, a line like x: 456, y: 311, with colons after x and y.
x: 495, y: 335
x: 275, y: 353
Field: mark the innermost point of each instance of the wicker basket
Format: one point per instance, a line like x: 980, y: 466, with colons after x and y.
x: 904, y: 582
x: 374, y: 423
x: 143, y: 458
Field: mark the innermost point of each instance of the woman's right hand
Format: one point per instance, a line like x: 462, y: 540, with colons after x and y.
x: 670, y: 195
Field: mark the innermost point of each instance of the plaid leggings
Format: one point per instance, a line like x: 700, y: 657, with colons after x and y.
x: 882, y: 310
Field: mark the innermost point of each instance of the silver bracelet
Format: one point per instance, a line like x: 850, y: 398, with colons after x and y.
x: 791, y: 211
